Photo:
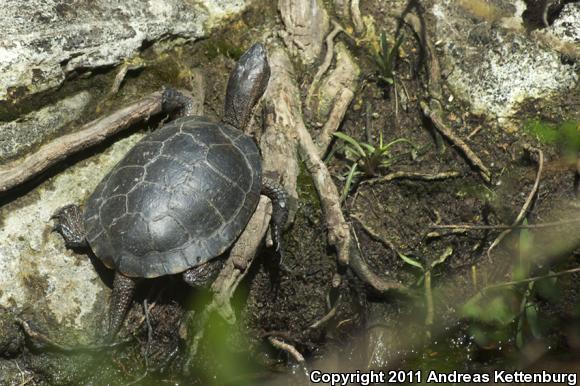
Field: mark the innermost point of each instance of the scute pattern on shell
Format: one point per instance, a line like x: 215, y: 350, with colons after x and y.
x: 179, y: 198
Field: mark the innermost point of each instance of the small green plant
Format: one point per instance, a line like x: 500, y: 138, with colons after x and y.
x: 385, y: 58
x: 366, y: 160
x: 426, y: 278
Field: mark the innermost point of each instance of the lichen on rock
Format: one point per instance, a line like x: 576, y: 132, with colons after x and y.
x: 492, y: 64
x: 43, y: 42
x: 44, y: 276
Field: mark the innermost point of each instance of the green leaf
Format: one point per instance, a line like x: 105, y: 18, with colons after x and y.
x: 399, y: 140
x: 411, y: 261
x: 370, y: 149
x: 351, y: 141
x: 348, y: 182
x: 393, y: 54
x: 532, y: 317
x: 489, y: 309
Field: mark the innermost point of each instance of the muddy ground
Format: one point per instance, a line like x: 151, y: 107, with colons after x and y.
x: 366, y: 329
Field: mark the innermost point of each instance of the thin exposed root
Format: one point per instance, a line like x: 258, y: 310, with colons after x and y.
x: 338, y: 229
x: 473, y: 159
x: 147, y: 347
x: 364, y: 273
x: 466, y: 227
x: 64, y: 348
x: 531, y: 279
x: 326, y: 318
x: 288, y: 348
x: 411, y: 176
x: 374, y: 234
x: 334, y: 120
x: 325, y: 63
x: 357, y: 21
x: 524, y: 210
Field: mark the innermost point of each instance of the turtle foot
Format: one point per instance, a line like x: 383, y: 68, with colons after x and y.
x: 69, y: 223
x: 276, y: 193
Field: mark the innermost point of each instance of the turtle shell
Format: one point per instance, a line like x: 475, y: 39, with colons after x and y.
x: 179, y: 198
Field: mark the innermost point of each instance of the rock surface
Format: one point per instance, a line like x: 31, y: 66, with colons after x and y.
x: 491, y: 62
x: 44, y: 276
x: 567, y: 26
x: 42, y: 42
x: 21, y: 135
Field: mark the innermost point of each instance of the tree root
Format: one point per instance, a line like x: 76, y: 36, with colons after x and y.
x: 364, y: 273
x: 341, y: 103
x: 325, y: 63
x: 234, y: 270
x: 357, y: 21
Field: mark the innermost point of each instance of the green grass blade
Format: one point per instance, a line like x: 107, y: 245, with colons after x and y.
x: 411, y: 261
x: 351, y: 141
x: 348, y: 182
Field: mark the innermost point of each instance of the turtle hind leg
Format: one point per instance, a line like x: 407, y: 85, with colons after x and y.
x: 123, y: 290
x: 276, y: 193
x: 70, y: 224
x: 203, y: 275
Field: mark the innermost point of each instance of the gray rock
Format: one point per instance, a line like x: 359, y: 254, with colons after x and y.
x: 42, y: 41
x: 43, y: 276
x: 567, y: 26
x: 20, y: 136
x: 492, y: 63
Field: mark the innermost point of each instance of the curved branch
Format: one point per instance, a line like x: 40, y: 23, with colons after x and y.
x: 92, y: 133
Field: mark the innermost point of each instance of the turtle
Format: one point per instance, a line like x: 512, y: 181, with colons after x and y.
x: 180, y: 198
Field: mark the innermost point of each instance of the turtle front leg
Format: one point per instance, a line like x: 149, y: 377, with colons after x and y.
x: 276, y: 193
x: 69, y: 223
x: 123, y: 290
x: 174, y: 100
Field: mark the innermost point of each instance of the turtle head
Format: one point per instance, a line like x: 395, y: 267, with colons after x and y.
x: 246, y: 86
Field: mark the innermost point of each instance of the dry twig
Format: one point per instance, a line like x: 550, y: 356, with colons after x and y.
x: 411, y: 176
x: 456, y: 141
x: 288, y: 348
x: 510, y: 227
x: 92, y: 133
